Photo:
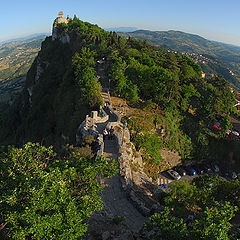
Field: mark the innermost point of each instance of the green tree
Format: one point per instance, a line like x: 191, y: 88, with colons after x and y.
x: 206, y: 104
x: 211, y: 224
x: 188, y: 92
x: 225, y: 125
x: 43, y: 197
x: 189, y: 68
x: 165, y: 226
x: 85, y: 77
x: 181, y: 193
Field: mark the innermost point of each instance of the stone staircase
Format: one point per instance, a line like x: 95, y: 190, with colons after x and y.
x: 106, y: 96
x: 114, y: 198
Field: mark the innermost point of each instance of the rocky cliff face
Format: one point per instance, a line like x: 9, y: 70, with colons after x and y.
x: 61, y: 36
x: 48, y: 101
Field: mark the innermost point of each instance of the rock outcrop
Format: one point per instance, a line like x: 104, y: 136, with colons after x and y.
x: 134, y: 180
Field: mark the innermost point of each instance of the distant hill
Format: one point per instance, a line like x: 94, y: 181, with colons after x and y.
x: 25, y: 38
x: 231, y: 47
x: 183, y: 42
x: 121, y: 29
x: 15, y: 56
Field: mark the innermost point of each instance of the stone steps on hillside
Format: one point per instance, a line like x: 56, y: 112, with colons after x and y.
x: 105, y: 96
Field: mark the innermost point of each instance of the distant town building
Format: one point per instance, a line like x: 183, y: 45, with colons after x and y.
x: 203, y: 74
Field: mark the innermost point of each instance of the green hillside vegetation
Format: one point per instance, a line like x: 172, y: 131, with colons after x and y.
x: 184, y: 42
x: 62, y: 86
x: 68, y: 89
x: 212, y: 203
x: 45, y: 195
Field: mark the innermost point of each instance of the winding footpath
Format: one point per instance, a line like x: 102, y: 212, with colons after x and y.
x: 114, y: 197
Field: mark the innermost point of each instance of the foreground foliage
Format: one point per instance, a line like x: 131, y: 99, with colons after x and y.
x: 211, y: 224
x: 45, y: 197
x: 203, y: 209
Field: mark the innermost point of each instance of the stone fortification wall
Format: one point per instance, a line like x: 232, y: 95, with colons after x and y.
x: 89, y: 127
x: 102, y: 116
x: 61, y: 20
x: 135, y: 182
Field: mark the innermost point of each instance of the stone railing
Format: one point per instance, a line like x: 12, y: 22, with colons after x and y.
x: 89, y: 125
x: 101, y: 117
x: 100, y: 145
x: 118, y: 118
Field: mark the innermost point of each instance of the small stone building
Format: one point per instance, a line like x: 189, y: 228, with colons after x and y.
x: 60, y: 19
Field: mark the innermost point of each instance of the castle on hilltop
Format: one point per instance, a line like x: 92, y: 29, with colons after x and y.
x: 61, y: 19
x: 55, y: 33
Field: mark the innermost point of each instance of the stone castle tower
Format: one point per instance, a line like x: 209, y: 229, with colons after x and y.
x: 60, y: 19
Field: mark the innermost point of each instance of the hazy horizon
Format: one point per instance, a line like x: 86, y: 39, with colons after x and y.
x: 21, y: 38
x: 213, y: 20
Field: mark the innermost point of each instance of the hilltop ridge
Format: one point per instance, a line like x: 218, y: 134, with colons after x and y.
x: 227, y: 56
x: 66, y: 77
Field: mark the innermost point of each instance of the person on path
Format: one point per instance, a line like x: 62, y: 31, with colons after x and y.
x: 111, y: 133
x: 105, y: 133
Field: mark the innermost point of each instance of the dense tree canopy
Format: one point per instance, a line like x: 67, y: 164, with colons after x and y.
x: 210, y: 201
x: 43, y: 196
x: 211, y: 224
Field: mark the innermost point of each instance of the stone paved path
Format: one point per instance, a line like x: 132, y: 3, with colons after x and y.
x: 114, y: 198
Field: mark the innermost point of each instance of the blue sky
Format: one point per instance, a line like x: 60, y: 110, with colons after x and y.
x: 213, y: 19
